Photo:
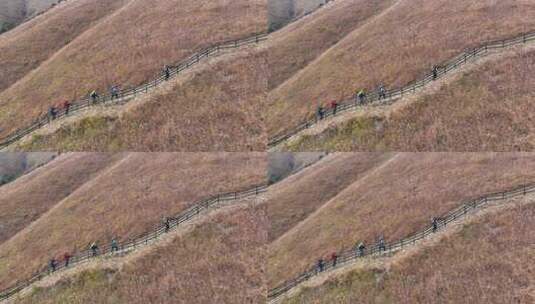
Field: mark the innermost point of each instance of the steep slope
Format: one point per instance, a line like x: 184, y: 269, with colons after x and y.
x: 13, y: 165
x: 220, y: 260
x: 125, y: 200
x: 23, y: 49
x: 127, y: 48
x: 215, y: 106
x: 295, y: 198
x: 487, y: 260
x: 24, y: 200
x: 395, y: 200
x: 401, y: 44
x: 484, y: 106
x: 13, y: 12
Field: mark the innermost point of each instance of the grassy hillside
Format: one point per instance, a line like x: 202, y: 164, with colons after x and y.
x: 399, y: 198
x: 488, y: 261
x: 13, y: 165
x: 295, y: 198
x: 127, y: 48
x: 487, y: 108
x: 216, y: 106
x: 219, y: 261
x: 24, y: 200
x: 404, y: 42
x: 124, y: 201
x: 23, y: 49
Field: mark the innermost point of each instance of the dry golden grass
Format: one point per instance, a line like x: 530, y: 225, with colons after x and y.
x: 27, y: 198
x: 125, y: 200
x: 216, y: 108
x: 489, y: 261
x: 220, y: 261
x: 404, y: 43
x: 295, y: 198
x: 297, y: 45
x: 487, y: 109
x: 127, y: 48
x: 396, y: 200
x: 24, y: 48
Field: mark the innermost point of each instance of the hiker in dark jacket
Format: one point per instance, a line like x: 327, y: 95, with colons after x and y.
x: 52, y: 112
x: 382, y: 91
x: 167, y: 224
x: 434, y: 224
x: 94, y: 249
x: 52, y: 264
x: 360, y: 249
x: 114, y: 245
x: 320, y: 112
x: 320, y: 265
x: 114, y: 91
x: 66, y: 259
x: 94, y: 96
x: 381, y: 244
x: 435, y: 72
x: 167, y: 72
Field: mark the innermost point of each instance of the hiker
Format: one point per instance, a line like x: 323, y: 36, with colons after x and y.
x: 52, y: 264
x: 334, y: 258
x: 166, y: 72
x: 321, y: 263
x: 334, y: 106
x: 66, y: 106
x: 52, y: 112
x: 435, y: 72
x: 94, y: 249
x: 381, y: 243
x: 114, y: 91
x: 434, y: 224
x: 94, y: 96
x: 382, y: 91
x: 361, y: 95
x: 320, y: 112
x: 66, y: 258
x: 360, y: 249
x: 114, y: 245
x: 166, y: 224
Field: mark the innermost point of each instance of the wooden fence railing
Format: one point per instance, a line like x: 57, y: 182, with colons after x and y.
x: 392, y: 95
x: 353, y: 254
x: 125, y: 94
x: 140, y: 240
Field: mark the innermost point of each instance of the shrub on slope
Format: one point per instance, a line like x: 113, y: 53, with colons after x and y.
x: 126, y: 200
x: 395, y: 201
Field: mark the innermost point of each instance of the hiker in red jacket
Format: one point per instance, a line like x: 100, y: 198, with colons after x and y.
x: 66, y: 258
x: 66, y: 106
x: 334, y: 106
x: 334, y: 258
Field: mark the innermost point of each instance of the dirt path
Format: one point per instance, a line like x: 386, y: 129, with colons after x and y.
x: 386, y: 262
x: 118, y: 260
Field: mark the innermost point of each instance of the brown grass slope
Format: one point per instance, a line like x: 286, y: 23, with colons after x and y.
x: 395, y: 201
x: 486, y: 109
x: 295, y: 198
x: 214, y: 108
x: 405, y: 42
x: 221, y: 260
x: 127, y: 48
x: 24, y: 200
x: 125, y: 200
x: 23, y: 49
x: 488, y: 261
x: 298, y: 44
